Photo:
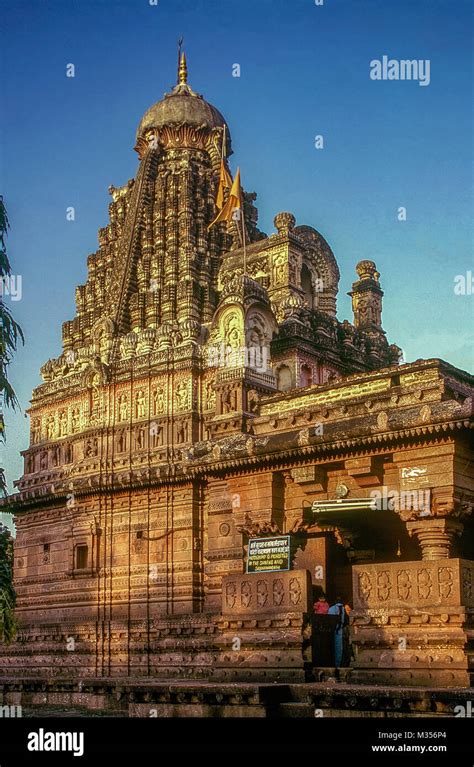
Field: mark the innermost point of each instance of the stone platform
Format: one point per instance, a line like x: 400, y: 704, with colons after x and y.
x: 139, y: 698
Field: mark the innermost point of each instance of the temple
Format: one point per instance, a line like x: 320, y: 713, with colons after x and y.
x: 206, y: 395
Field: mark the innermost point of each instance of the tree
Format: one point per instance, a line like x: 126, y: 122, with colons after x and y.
x: 7, y: 592
x: 10, y: 334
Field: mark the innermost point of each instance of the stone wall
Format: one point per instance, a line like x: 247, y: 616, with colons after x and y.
x: 413, y: 623
x: 265, y: 626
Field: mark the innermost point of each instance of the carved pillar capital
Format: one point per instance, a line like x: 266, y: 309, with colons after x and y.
x: 436, y: 536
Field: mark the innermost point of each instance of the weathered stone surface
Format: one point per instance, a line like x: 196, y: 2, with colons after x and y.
x: 413, y: 623
x: 193, y: 406
x: 266, y: 593
x: 418, y: 585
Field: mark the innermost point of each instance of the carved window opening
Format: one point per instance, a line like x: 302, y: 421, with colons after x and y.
x: 308, y: 287
x: 82, y: 557
x: 45, y: 553
x: 306, y: 375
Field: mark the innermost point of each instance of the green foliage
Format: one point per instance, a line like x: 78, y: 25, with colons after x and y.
x: 10, y: 331
x: 7, y: 592
x: 4, y: 227
x: 10, y: 334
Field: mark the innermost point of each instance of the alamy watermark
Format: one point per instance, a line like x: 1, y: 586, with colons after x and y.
x: 10, y: 712
x: 464, y: 284
x: 401, y: 69
x: 256, y: 357
x: 10, y: 285
x: 466, y: 711
x: 402, y: 500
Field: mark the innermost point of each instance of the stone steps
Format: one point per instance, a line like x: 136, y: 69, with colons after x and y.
x: 60, y: 712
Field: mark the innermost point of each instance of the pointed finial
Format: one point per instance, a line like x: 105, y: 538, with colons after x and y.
x: 183, y: 70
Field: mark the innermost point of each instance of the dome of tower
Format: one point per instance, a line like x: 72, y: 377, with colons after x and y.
x: 182, y: 107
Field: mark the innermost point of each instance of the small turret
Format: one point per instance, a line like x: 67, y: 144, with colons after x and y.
x: 366, y: 297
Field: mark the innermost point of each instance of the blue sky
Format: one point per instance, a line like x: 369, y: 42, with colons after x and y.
x: 304, y: 72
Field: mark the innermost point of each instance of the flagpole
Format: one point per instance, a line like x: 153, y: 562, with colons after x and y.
x: 223, y: 144
x: 180, y: 43
x: 243, y: 235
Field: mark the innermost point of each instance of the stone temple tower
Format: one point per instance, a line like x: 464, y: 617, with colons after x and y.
x: 158, y: 263
x: 207, y: 390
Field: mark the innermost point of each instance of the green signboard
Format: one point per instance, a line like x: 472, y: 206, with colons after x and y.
x: 268, y: 554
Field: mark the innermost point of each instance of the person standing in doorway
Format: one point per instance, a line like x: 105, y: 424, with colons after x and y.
x: 321, y: 606
x: 338, y: 609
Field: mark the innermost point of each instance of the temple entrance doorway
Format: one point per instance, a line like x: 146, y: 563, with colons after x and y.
x: 329, y: 552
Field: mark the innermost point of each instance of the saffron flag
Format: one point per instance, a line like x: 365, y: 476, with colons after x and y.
x: 225, y: 182
x: 234, y: 202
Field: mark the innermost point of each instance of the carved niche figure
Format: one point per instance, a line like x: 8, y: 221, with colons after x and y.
x: 255, y: 337
x: 103, y: 345
x: 122, y: 441
x: 123, y: 407
x: 50, y: 427
x: 55, y: 456
x: 63, y: 423
x: 229, y: 401
x: 141, y: 438
x: 252, y: 401
x: 156, y: 434
x: 68, y: 454
x: 158, y: 401
x: 232, y: 332
x: 182, y: 432
x: 95, y: 399
x: 75, y: 419
x: 140, y: 404
x: 91, y: 448
x: 182, y: 396
x: 36, y: 431
x: 44, y: 460
x: 279, y: 270
x: 210, y: 396
x: 258, y: 338
x: 103, y: 331
x: 292, y: 270
x: 367, y: 309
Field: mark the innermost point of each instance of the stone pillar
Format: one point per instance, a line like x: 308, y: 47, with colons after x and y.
x: 435, y: 536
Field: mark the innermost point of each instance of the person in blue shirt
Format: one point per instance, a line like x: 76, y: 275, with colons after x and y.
x: 338, y: 609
